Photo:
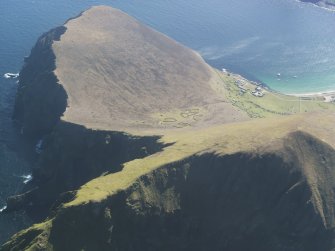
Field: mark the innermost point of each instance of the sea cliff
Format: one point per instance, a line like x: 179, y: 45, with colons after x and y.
x: 146, y: 147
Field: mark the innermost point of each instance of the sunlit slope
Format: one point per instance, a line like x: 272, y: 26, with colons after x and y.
x: 118, y: 73
x: 121, y: 75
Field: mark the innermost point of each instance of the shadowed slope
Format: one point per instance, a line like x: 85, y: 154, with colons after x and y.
x: 259, y: 185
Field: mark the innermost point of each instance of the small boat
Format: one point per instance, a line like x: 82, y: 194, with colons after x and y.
x: 11, y: 75
x: 278, y: 74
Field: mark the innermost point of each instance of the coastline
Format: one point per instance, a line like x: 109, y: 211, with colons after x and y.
x: 327, y: 96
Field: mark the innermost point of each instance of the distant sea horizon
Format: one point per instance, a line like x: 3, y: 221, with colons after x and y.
x: 285, y: 44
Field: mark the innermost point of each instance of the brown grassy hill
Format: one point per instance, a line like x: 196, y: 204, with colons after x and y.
x: 118, y: 73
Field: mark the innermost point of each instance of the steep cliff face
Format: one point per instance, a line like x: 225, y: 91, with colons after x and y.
x: 236, y: 202
x: 202, y: 203
x: 257, y: 201
x: 72, y: 155
x: 40, y: 100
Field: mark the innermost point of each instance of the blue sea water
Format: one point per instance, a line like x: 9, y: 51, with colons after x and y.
x: 257, y: 39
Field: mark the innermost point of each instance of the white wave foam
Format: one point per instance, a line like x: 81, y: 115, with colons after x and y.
x: 3, y: 209
x: 9, y: 75
x: 26, y: 178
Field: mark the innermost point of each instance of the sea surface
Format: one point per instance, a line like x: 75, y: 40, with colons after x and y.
x: 258, y: 39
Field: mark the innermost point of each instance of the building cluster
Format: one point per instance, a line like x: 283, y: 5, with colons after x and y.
x: 258, y: 92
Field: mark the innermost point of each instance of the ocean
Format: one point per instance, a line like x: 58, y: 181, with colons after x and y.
x: 258, y: 39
